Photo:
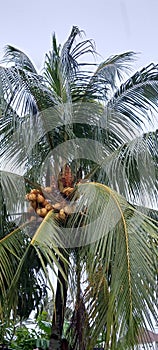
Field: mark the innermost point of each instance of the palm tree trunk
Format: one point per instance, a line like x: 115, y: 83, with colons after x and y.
x: 58, y: 315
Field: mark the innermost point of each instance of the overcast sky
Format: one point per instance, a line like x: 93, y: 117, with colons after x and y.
x: 115, y: 25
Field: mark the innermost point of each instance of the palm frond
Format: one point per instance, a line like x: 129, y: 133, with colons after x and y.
x: 152, y: 213
x: 12, y: 249
x: 70, y: 65
x: 116, y: 66
x: 52, y: 68
x: 123, y: 241
x: 63, y: 68
x: 46, y: 243
x: 19, y: 58
x: 109, y: 127
x: 23, y: 138
x: 13, y: 192
x: 105, y: 138
x: 137, y: 97
x: 97, y: 289
x: 132, y: 170
x: 108, y: 72
x: 24, y: 91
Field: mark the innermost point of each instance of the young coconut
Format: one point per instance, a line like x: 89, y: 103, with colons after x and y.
x: 45, y: 203
x: 34, y: 190
x: 41, y: 212
x: 62, y: 214
x: 40, y: 198
x: 67, y: 191
x: 31, y: 196
x: 48, y: 206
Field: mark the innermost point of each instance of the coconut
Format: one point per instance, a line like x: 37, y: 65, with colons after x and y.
x: 34, y: 190
x: 32, y: 197
x: 45, y: 203
x: 41, y: 212
x: 68, y: 190
x: 62, y: 214
x: 40, y: 198
x: 48, y: 206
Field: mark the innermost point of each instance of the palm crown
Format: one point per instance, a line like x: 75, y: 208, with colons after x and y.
x: 104, y: 130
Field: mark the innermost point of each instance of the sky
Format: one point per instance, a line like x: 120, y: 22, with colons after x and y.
x: 116, y: 26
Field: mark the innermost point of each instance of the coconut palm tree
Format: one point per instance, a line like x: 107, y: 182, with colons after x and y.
x: 80, y: 141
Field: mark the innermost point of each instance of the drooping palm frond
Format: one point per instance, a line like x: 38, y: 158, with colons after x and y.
x: 107, y: 75
x: 115, y: 67
x: 12, y: 248
x: 30, y: 286
x: 71, y: 53
x: 137, y: 97
x: 96, y: 293
x: 24, y: 91
x: 123, y: 242
x: 13, y: 190
x: 132, y: 170
x: 152, y: 213
x: 45, y: 242
x: 19, y: 58
x: 89, y: 120
x: 23, y: 138
x: 107, y: 126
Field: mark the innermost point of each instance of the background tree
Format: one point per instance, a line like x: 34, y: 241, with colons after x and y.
x: 70, y: 123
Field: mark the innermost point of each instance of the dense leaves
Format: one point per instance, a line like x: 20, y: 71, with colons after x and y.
x: 87, y: 128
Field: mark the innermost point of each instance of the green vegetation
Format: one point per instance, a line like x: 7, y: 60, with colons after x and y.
x: 21, y: 336
x: 78, y: 188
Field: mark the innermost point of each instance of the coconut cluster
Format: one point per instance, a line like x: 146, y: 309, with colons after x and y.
x: 57, y: 197
x: 40, y: 204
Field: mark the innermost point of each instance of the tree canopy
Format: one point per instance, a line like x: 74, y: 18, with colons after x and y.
x: 82, y: 136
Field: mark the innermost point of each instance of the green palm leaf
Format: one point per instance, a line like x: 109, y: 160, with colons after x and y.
x: 13, y: 190
x: 46, y: 242
x: 19, y: 58
x: 123, y: 241
x: 132, y: 170
x: 105, y: 79
x: 137, y: 97
x: 12, y: 248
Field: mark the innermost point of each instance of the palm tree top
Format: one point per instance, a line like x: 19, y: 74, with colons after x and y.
x: 80, y: 142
